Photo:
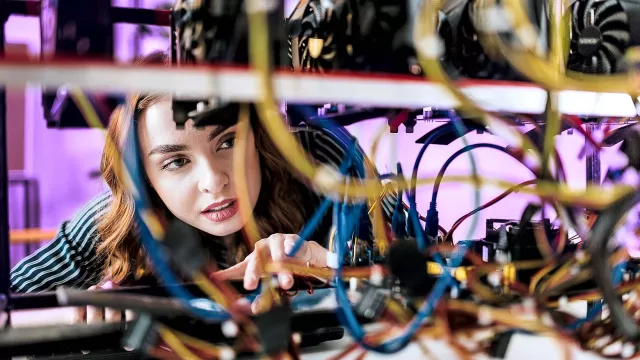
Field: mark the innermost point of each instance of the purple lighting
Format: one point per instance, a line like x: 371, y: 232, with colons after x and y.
x: 63, y: 161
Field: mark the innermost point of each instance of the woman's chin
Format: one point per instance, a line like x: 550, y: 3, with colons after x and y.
x: 223, y: 228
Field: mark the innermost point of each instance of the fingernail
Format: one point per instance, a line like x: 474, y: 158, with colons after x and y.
x: 288, y: 246
x: 107, y: 285
x: 250, y: 282
x: 286, y: 281
x: 243, y: 303
x: 256, y: 306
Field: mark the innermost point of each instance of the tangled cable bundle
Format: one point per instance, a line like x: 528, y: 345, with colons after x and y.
x: 427, y: 285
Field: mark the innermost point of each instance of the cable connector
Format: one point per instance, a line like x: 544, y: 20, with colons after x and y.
x: 141, y: 335
x: 432, y: 222
x: 275, y: 329
x: 185, y: 246
x: 399, y: 223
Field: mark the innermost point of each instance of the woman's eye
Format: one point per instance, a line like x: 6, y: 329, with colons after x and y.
x: 175, y: 164
x: 228, y: 143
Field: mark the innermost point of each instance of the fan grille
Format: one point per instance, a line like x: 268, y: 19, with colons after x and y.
x: 315, y: 29
x: 599, y: 36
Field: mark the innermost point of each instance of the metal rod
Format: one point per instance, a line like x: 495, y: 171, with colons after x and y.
x: 5, y: 267
x: 592, y: 164
x: 119, y: 14
x: 593, y: 159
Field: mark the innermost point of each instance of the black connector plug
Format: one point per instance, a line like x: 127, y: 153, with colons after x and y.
x: 409, y: 265
x: 141, y: 335
x: 275, y: 329
x: 372, y: 302
x: 432, y: 222
x: 186, y: 247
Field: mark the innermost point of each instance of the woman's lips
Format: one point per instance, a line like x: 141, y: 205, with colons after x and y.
x: 223, y: 214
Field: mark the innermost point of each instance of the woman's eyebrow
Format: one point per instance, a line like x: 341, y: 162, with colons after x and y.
x: 167, y: 149
x: 218, y: 130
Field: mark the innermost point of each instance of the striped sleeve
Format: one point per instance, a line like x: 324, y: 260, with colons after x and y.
x: 68, y: 259
x: 327, y: 150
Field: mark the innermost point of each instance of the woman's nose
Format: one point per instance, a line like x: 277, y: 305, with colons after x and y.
x: 212, y: 179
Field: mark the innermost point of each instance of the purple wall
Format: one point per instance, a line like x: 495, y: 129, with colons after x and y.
x: 62, y: 160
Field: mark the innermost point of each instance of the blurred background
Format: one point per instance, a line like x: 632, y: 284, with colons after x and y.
x: 54, y: 172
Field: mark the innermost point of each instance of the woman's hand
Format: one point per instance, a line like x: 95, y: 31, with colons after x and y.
x: 275, y: 248
x: 92, y: 314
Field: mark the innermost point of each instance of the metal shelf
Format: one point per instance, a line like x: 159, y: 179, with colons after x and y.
x: 241, y: 84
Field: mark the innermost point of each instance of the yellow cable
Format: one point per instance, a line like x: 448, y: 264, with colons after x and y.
x: 324, y: 179
x: 246, y: 211
x: 87, y: 110
x: 428, y: 46
x: 176, y: 344
x: 540, y: 70
x: 201, y: 345
x: 212, y: 291
x: 426, y: 39
x: 150, y: 218
x: 240, y: 176
x: 292, y: 151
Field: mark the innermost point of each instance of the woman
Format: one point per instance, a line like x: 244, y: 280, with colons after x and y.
x: 189, y: 176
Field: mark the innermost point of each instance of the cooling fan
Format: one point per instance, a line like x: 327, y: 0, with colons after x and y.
x: 381, y: 35
x: 216, y: 31
x: 359, y: 35
x: 600, y: 34
x: 213, y: 32
x: 464, y: 55
x: 313, y: 36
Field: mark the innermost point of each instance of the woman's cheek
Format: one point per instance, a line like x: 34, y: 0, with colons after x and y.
x: 254, y: 178
x: 175, y: 194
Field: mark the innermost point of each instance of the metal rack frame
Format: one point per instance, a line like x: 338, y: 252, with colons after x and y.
x: 32, y: 8
x: 288, y: 87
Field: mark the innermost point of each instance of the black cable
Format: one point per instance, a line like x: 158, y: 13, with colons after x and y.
x: 443, y: 169
x: 5, y: 267
x: 432, y: 221
x: 601, y: 232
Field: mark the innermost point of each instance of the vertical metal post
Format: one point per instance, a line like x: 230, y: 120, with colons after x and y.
x: 5, y: 267
x: 593, y: 176
x: 593, y: 159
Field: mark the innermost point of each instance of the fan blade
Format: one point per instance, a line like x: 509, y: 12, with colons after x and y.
x: 612, y: 51
x: 576, y: 16
x: 328, y: 42
x: 605, y: 65
x: 616, y: 20
x: 585, y: 14
x: 315, y: 8
x: 583, y: 66
x: 609, y: 6
x: 618, y: 37
x: 589, y: 65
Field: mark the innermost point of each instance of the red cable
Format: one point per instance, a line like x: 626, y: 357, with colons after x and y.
x: 488, y: 204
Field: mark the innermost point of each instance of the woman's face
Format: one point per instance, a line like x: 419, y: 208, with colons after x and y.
x: 191, y: 169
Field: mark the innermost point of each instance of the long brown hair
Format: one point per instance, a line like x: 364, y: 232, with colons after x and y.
x: 278, y: 208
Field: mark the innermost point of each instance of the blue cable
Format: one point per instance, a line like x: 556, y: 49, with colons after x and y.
x: 346, y: 314
x: 345, y: 311
x: 315, y: 220
x: 461, y: 129
x: 468, y: 148
x: 597, y: 309
x: 414, y: 179
x: 159, y: 259
x: 416, y: 227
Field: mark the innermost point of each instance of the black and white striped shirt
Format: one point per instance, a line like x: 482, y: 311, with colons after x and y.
x: 70, y: 258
